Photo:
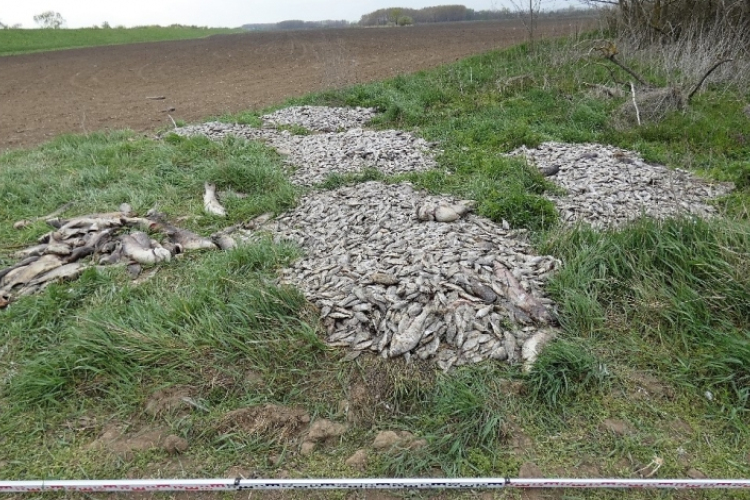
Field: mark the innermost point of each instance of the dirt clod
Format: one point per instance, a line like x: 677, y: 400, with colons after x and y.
x: 174, y: 444
x: 169, y: 400
x: 324, y: 430
x: 307, y: 448
x: 282, y: 422
x: 385, y: 440
x: 358, y: 460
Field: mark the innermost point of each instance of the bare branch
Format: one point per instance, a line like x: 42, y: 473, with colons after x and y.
x: 635, y: 104
x: 612, y: 57
x: 702, y: 80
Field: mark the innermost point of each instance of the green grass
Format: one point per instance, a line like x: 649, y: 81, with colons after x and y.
x: 21, y: 41
x: 653, y: 315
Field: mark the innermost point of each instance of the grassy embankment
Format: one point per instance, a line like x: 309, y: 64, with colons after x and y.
x: 653, y: 316
x: 20, y: 41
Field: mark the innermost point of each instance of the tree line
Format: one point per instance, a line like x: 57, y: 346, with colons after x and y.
x: 445, y: 14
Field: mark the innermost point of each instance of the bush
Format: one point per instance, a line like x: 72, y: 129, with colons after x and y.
x: 405, y: 21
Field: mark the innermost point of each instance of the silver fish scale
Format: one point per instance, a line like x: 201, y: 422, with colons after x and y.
x: 608, y: 186
x: 413, y: 287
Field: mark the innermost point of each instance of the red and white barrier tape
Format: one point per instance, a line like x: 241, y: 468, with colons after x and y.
x: 103, y: 486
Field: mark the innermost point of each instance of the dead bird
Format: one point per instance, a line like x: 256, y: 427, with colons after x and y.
x: 210, y: 203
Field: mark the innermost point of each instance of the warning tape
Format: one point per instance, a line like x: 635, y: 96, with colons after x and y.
x: 103, y: 486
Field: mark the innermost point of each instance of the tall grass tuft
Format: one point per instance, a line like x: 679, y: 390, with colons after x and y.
x: 682, y: 284
x: 565, y: 370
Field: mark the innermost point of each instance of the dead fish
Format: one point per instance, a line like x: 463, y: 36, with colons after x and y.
x: 550, y: 170
x: 483, y: 292
x: 224, y: 241
x: 24, y: 262
x: 386, y: 279
x: 57, y: 249
x: 463, y: 207
x: 143, y: 223
x: 99, y: 239
x: 406, y: 340
x: 190, y: 241
x: 134, y: 270
x: 519, y: 297
x: 112, y: 258
x: 445, y: 213
x: 23, y: 275
x: 173, y: 248
x: 67, y: 271
x: 258, y: 221
x: 426, y: 212
x: 79, y: 253
x: 532, y: 347
x: 135, y: 250
x: 142, y: 239
x: 36, y: 250
x: 210, y: 203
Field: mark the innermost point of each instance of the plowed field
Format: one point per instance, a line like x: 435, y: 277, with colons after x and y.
x: 85, y: 90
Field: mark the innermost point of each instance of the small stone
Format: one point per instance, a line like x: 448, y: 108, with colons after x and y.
x: 358, y: 460
x: 174, y: 444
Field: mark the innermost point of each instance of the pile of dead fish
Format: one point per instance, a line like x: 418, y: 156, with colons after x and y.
x: 76, y: 244
x: 320, y: 118
x: 313, y: 157
x: 400, y: 273
x: 608, y: 186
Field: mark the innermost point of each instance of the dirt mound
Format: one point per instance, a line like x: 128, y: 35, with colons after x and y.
x: 281, y: 422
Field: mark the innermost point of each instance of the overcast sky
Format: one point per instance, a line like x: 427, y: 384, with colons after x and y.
x: 226, y: 13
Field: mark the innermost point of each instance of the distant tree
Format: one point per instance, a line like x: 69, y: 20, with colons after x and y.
x: 405, y: 21
x: 394, y: 14
x: 50, y: 19
x: 105, y: 25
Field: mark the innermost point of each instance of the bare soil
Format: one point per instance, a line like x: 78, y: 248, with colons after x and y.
x: 99, y: 88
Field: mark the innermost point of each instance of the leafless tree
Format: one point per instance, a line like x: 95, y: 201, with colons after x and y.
x: 50, y: 19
